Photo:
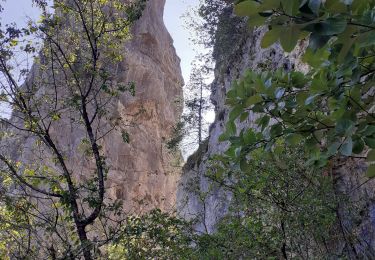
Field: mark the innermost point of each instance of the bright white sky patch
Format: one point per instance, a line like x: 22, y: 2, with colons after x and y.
x: 173, y: 12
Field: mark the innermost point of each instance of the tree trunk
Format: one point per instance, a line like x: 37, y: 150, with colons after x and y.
x: 85, y: 243
x: 200, y: 116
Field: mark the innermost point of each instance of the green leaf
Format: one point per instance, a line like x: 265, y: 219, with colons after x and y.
x: 224, y: 137
x: 253, y: 100
x: 235, y: 112
x: 370, y: 142
x: 271, y: 37
x: 256, y: 21
x: 263, y: 121
x: 369, y: 130
x: 335, y: 6
x: 316, y: 58
x: 125, y: 136
x: 318, y: 85
x: 290, y: 7
x: 370, y: 156
x: 56, y: 117
x: 269, y: 5
x: 301, y: 98
x: 276, y: 130
x: 13, y: 43
x: 328, y: 27
x: 332, y: 149
x: 344, y: 127
x: 347, y: 147
x: 299, y: 80
x: 246, y: 8
x: 358, y: 6
x: 244, y: 116
x: 293, y: 139
x: 249, y: 137
x: 289, y: 37
x: 358, y: 146
x: 231, y: 128
x: 370, y: 173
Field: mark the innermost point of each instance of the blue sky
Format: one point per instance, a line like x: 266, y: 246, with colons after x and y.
x: 19, y: 10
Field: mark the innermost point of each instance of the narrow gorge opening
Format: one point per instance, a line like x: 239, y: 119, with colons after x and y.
x: 183, y: 21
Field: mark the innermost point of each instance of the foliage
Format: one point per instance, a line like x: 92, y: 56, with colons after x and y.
x: 155, y: 235
x: 330, y: 109
x: 280, y: 207
x: 76, y: 51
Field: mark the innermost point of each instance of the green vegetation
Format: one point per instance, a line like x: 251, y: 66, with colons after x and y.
x: 330, y: 109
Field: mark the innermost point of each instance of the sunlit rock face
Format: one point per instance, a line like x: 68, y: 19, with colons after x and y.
x: 143, y: 173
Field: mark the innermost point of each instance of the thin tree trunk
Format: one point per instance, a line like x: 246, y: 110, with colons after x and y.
x: 200, y: 116
x: 85, y: 243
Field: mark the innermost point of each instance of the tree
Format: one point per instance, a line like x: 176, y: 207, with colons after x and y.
x: 197, y: 104
x: 192, y: 129
x: 280, y: 208
x: 65, y: 212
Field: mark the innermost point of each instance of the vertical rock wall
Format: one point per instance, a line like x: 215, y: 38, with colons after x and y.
x: 142, y: 172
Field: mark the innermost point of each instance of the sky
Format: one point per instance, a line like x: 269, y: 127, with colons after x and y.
x: 173, y: 12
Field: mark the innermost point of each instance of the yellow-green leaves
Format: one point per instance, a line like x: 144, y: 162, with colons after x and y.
x: 253, y: 100
x: 371, y: 171
x: 290, y: 7
x: 371, y: 156
x: 288, y: 36
x: 247, y: 8
x: 271, y: 37
x: 371, y: 160
x: 294, y: 139
x: 13, y: 43
x: 336, y: 6
x: 256, y: 21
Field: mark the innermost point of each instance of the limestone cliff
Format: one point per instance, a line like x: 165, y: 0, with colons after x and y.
x: 142, y: 172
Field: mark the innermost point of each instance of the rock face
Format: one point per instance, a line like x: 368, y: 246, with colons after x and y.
x: 143, y: 170
x: 200, y: 199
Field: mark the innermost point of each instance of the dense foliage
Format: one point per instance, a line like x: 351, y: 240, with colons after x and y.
x: 330, y: 109
x: 281, y: 208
